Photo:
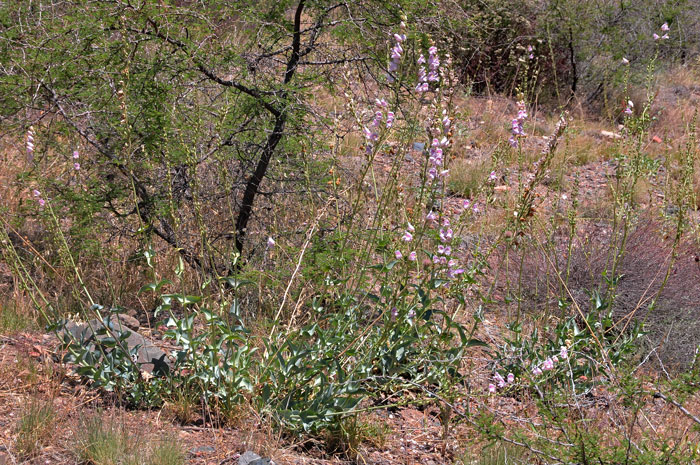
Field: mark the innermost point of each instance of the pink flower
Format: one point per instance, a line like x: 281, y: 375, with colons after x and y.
x: 412, y: 256
x: 563, y: 352
x: 398, y: 255
x: 76, y: 166
x: 625, y: 61
x: 389, y: 119
x: 421, y: 59
x: 270, y: 242
x: 432, y: 216
x: 665, y: 37
x: 410, y: 227
x: 499, y: 380
x: 407, y: 237
x: 492, y: 388
x: 453, y: 273
x: 399, y: 37
x: 511, y: 377
x: 369, y: 135
x: 665, y: 27
x: 432, y: 173
x: 537, y: 371
x: 41, y: 202
x: 76, y: 155
x: 446, y: 235
x: 656, y: 36
x: 36, y: 193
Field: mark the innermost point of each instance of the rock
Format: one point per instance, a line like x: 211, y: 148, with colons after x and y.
x: 151, y: 358
x: 419, y: 146
x: 611, y: 135
x: 251, y: 458
x: 202, y: 450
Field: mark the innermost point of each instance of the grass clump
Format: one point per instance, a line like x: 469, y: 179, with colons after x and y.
x: 107, y: 443
x: 34, y: 428
x: 12, y: 320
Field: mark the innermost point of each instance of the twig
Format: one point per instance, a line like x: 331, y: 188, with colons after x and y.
x: 680, y: 407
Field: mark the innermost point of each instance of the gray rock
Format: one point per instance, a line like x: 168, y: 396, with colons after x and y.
x: 419, y: 146
x: 151, y: 358
x: 251, y: 458
x: 202, y: 450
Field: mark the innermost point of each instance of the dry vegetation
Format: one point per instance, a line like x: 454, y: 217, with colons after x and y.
x: 319, y: 339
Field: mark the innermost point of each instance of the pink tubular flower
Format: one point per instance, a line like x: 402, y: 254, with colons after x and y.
x: 431, y: 216
x: 665, y: 37
x: 370, y: 135
x: 499, y: 380
x: 446, y: 235
x: 563, y: 352
x: 36, y: 193
x: 407, y: 237
x: 412, y: 256
x: 421, y: 59
x: 76, y: 166
x: 389, y: 119
x: 398, y: 255
x: 76, y: 155
x: 665, y: 27
x: 656, y: 36
x: 511, y: 377
x: 432, y: 173
x: 537, y: 371
x: 410, y: 227
x: 270, y: 242
x: 492, y: 388
x: 42, y: 202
